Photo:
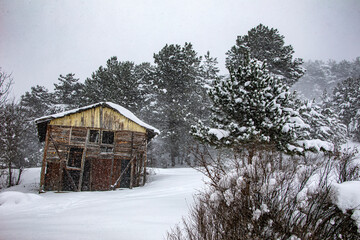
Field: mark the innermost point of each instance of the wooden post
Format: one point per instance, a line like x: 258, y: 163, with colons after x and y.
x: 132, y: 163
x: 139, y: 168
x: 101, y: 119
x: 112, y: 163
x: 83, y: 160
x: 43, y: 165
x: 145, y: 160
x: 61, y: 169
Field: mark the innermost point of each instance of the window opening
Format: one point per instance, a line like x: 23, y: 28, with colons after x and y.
x: 108, y: 137
x: 75, y: 156
x: 94, y: 136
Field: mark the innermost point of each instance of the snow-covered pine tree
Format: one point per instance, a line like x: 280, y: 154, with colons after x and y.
x: 268, y: 45
x: 251, y: 111
x: 209, y: 72
x: 346, y: 101
x: 324, y: 125
x: 325, y: 75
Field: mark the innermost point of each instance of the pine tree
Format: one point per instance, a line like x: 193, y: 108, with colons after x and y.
x: 34, y: 104
x: 250, y: 111
x: 176, y: 76
x: 117, y: 82
x: 318, y: 77
x: 38, y: 102
x: 323, y: 123
x: 325, y: 75
x: 68, y: 91
x: 209, y: 73
x: 346, y: 101
x: 268, y: 45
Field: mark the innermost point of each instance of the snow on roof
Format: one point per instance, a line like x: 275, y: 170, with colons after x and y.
x: 123, y: 111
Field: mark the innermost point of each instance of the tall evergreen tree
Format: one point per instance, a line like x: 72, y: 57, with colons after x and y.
x: 268, y: 45
x: 34, y: 104
x: 346, y: 101
x: 118, y: 82
x: 246, y: 108
x: 209, y: 73
x: 69, y: 91
x: 177, y: 72
x: 38, y: 102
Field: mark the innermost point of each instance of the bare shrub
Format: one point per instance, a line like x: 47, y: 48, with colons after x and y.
x: 262, y: 201
x: 6, y: 82
x: 346, y: 167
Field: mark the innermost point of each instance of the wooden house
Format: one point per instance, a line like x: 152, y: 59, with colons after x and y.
x: 93, y: 148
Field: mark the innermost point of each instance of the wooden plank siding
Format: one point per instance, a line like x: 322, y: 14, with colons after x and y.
x: 99, y: 117
x: 104, y: 167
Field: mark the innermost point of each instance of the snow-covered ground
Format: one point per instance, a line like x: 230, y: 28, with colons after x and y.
x: 141, y: 213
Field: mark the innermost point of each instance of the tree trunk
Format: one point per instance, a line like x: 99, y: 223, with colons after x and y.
x: 251, y: 154
x: 10, y: 175
x: 172, y: 157
x: 19, y: 176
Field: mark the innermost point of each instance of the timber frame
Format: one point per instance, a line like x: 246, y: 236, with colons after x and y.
x: 79, y: 157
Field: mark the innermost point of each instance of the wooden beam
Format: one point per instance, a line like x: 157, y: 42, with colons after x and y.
x: 145, y: 160
x: 91, y: 169
x: 71, y: 179
x: 43, y: 165
x: 83, y: 160
x: 132, y: 162
x: 101, y: 119
x: 59, y: 186
x: 112, y: 163
x: 139, y: 168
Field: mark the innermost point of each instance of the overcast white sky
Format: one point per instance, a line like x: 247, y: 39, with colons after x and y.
x: 39, y: 40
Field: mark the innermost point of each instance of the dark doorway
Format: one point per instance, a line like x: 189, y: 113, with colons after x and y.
x: 125, y: 181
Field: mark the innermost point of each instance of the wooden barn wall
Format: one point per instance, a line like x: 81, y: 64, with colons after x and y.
x: 104, y: 168
x: 99, y: 117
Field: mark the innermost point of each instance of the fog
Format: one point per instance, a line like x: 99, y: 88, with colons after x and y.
x: 39, y: 40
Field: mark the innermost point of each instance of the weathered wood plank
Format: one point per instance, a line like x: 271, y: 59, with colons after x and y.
x: 83, y: 162
x: 43, y: 165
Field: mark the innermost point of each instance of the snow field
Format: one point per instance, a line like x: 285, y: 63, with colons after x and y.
x: 141, y: 213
